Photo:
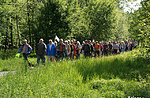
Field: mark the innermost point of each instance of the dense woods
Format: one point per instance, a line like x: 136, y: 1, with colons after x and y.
x: 69, y: 19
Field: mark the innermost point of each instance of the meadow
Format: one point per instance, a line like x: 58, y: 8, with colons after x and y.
x: 117, y: 76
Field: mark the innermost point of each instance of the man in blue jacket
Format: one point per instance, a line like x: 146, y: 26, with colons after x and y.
x: 26, y: 50
x: 51, y: 51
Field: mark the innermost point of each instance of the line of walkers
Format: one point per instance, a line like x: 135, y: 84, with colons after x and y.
x: 72, y: 49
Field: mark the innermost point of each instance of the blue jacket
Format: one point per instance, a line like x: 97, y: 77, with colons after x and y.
x: 51, y: 52
x: 28, y: 49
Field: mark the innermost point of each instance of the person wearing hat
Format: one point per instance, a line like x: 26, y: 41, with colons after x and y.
x: 78, y: 49
x: 51, y: 51
x: 40, y: 51
x: 96, y: 49
x: 61, y: 49
x: 110, y: 48
x: 105, y: 47
x: 26, y: 49
x: 86, y: 49
x: 91, y: 48
x: 115, y: 47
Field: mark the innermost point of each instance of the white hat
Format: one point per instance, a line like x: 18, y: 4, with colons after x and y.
x: 50, y: 40
x: 25, y: 40
x: 41, y: 39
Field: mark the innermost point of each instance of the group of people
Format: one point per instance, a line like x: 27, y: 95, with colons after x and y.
x: 71, y: 49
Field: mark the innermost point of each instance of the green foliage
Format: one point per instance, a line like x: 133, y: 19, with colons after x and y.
x: 140, y: 26
x: 99, y: 20
x: 52, y: 21
x: 80, y: 19
x: 115, y: 76
x: 8, y: 54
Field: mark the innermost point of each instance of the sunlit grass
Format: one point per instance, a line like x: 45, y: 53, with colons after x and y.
x: 113, y: 76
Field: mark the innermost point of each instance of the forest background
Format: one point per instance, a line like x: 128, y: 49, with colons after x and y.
x: 72, y: 19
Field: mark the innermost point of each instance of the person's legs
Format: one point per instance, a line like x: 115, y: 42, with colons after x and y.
x: 48, y: 58
x: 53, y: 58
x: 70, y: 55
x: 43, y: 58
x: 38, y: 59
x: 26, y: 58
x: 79, y: 55
x: 115, y: 51
x: 94, y: 53
x: 98, y: 53
x: 85, y: 54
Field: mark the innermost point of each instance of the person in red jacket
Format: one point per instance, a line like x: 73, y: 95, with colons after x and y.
x: 74, y: 49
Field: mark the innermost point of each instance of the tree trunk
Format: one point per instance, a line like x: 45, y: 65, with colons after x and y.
x: 6, y: 42
x: 28, y: 19
x: 17, y: 30
x: 11, y: 35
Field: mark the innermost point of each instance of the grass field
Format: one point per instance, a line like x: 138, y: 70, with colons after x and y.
x: 110, y: 77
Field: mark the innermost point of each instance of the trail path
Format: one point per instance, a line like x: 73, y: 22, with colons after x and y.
x: 5, y: 73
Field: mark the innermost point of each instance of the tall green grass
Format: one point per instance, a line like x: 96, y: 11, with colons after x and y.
x: 110, y: 77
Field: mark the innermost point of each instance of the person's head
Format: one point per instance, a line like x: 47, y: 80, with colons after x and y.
x: 100, y: 43
x: 41, y: 40
x: 71, y: 42
x: 109, y: 42
x: 25, y: 41
x: 83, y: 42
x: 55, y: 43
x: 78, y: 43
x: 89, y: 41
x: 61, y: 41
x: 68, y: 41
x: 50, y: 41
x: 105, y: 43
x: 93, y: 41
x: 74, y: 41
x: 96, y: 42
x: 86, y: 41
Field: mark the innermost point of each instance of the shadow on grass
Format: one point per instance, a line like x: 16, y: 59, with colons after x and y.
x: 115, y: 67
x: 112, y: 68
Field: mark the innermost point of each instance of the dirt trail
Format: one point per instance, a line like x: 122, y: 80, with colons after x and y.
x: 5, y: 73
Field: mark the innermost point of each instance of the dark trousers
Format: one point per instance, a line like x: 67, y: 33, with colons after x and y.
x: 26, y: 58
x: 41, y: 57
x: 115, y: 51
x: 105, y: 52
x: 78, y: 54
x: 96, y: 53
x: 61, y: 55
x: 86, y: 53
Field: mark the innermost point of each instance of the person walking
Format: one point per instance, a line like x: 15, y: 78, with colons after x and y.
x: 101, y: 48
x: 41, y: 51
x: 78, y: 50
x: 115, y: 47
x: 110, y: 48
x: 91, y: 48
x: 106, y: 47
x: 26, y: 50
x: 122, y: 46
x: 86, y: 49
x: 51, y: 51
x: 96, y: 49
x: 61, y: 49
x: 69, y: 49
x: 74, y: 49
